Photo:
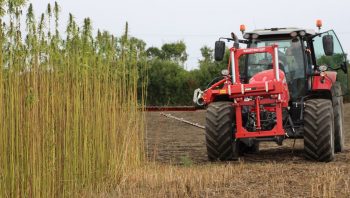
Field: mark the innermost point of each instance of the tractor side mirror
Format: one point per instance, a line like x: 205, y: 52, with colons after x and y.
x: 328, y: 45
x: 219, y: 50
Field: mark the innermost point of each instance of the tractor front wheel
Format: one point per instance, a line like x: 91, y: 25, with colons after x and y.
x: 220, y: 141
x: 319, y: 130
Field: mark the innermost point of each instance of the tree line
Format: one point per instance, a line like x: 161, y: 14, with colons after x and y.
x: 169, y: 83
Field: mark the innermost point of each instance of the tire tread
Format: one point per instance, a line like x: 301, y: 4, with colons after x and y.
x: 319, y: 130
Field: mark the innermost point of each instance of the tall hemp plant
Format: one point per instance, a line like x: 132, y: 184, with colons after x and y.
x: 70, y: 107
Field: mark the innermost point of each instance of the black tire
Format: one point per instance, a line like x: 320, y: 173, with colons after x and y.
x: 220, y: 141
x: 253, y: 149
x: 319, y: 130
x: 338, y: 110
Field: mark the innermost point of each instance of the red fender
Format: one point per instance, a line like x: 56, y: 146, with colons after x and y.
x: 324, y: 82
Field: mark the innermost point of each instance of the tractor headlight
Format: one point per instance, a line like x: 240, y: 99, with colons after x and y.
x: 246, y: 36
x: 255, y: 36
x: 323, y: 68
x: 225, y: 72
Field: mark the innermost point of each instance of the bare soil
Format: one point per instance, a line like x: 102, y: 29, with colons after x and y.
x: 171, y: 141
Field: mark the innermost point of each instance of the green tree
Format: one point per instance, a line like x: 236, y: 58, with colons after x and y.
x: 209, y: 70
x: 207, y: 54
x: 175, y: 52
x: 154, y: 52
x: 167, y: 84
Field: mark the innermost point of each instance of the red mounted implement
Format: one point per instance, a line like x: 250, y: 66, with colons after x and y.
x: 267, y: 90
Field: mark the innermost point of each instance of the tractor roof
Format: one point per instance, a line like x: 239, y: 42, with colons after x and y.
x: 280, y: 31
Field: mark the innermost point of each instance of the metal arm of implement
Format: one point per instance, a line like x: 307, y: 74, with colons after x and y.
x: 170, y: 108
x: 183, y: 120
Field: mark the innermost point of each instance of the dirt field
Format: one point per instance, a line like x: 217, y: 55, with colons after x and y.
x: 276, y: 171
x: 179, y: 167
x: 174, y: 142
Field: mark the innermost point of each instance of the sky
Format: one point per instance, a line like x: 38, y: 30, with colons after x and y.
x: 202, y: 22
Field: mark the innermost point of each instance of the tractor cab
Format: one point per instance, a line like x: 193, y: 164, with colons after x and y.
x: 299, y: 52
x: 286, y: 83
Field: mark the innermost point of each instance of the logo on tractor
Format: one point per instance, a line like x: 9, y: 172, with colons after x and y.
x: 255, y: 50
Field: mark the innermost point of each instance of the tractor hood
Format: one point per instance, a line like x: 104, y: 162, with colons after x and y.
x: 269, y: 75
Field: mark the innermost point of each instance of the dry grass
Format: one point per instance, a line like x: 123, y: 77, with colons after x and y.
x: 235, y: 180
x: 274, y: 172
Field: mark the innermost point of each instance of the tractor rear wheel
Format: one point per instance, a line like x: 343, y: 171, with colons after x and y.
x: 319, y: 130
x: 219, y: 129
x: 338, y: 108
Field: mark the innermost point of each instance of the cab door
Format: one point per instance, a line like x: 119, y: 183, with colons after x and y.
x: 337, y: 61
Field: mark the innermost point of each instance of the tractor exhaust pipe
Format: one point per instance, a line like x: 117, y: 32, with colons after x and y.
x: 198, y: 97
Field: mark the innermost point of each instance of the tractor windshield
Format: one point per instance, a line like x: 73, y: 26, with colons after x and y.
x: 291, y: 61
x: 290, y: 57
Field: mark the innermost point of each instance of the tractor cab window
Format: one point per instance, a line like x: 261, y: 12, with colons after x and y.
x: 257, y: 63
x: 290, y: 56
x: 291, y: 61
x: 333, y: 61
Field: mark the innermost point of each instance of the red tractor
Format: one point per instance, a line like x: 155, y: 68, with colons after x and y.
x: 286, y: 83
